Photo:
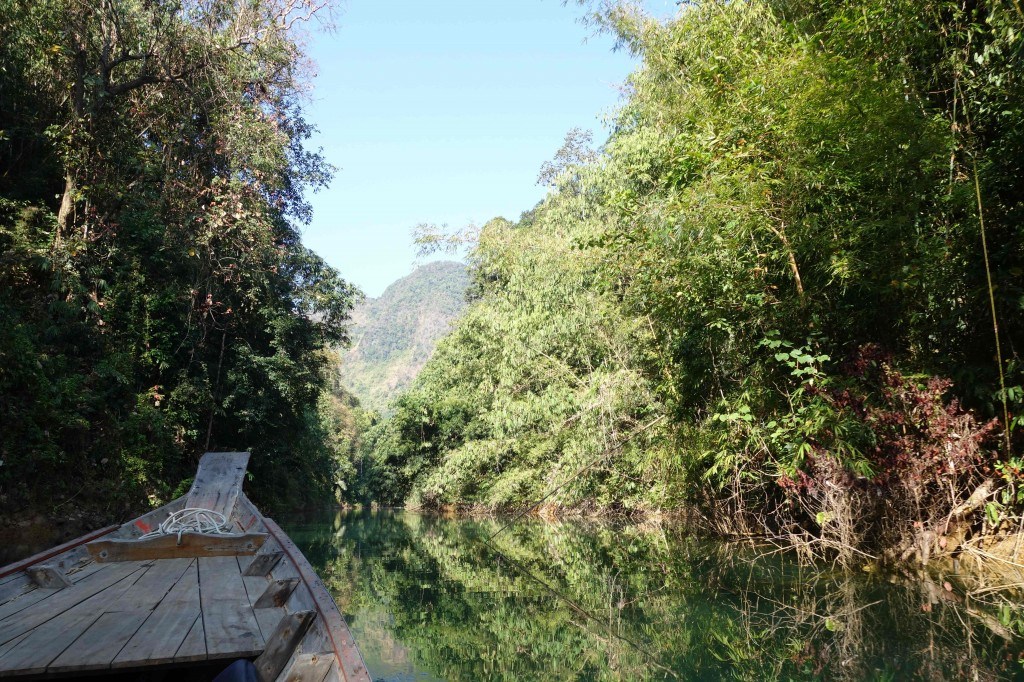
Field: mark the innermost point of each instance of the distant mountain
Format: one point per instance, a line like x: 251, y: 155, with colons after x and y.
x: 394, y: 335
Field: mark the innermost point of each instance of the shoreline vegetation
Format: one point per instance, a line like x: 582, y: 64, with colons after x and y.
x: 787, y: 292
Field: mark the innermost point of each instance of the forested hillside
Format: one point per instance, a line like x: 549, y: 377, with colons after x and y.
x: 788, y: 290
x: 395, y: 334
x: 155, y: 298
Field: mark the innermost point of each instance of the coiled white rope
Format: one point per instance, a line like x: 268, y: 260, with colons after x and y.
x: 191, y: 520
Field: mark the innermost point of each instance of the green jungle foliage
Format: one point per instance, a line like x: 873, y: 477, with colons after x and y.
x: 155, y: 298
x: 770, y: 293
x: 394, y: 335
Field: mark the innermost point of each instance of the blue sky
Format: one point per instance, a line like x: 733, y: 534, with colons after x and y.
x: 443, y: 112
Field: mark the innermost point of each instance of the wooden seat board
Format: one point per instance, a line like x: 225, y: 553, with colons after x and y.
x: 161, y: 635
x: 218, y: 482
x: 228, y: 618
x: 67, y: 598
x: 47, y: 640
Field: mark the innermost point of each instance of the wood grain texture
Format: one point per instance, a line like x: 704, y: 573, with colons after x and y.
x: 169, y: 547
x: 45, y: 640
x: 100, y: 642
x: 308, y: 667
x: 160, y: 637
x: 266, y: 618
x: 31, y: 595
x: 282, y: 643
x: 66, y: 599
x: 218, y: 482
x: 15, y: 586
x: 231, y: 627
x: 276, y: 594
x: 263, y: 563
x: 351, y: 662
x: 48, y: 577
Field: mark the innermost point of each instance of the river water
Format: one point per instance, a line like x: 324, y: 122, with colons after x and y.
x: 433, y: 598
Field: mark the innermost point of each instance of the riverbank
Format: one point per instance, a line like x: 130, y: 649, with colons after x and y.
x: 444, y: 596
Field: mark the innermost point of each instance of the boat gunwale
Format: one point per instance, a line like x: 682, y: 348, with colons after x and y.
x: 22, y: 564
x: 351, y: 664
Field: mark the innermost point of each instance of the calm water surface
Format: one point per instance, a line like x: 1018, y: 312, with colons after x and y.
x: 429, y: 598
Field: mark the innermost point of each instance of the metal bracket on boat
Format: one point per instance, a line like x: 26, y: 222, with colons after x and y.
x: 170, y: 547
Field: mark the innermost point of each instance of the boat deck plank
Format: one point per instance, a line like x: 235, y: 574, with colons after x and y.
x: 228, y: 618
x: 154, y: 612
x: 61, y: 601
x: 121, y: 619
x: 96, y: 647
x: 48, y: 634
x: 193, y: 647
x: 30, y: 594
x: 161, y: 636
x: 15, y: 586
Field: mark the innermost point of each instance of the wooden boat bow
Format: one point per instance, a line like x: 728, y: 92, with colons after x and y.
x: 117, y: 601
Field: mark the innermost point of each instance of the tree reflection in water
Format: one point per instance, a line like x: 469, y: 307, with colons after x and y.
x: 427, y: 598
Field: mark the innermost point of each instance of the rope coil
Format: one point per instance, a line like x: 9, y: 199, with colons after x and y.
x: 191, y: 520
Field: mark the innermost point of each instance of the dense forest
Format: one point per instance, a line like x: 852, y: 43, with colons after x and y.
x: 155, y: 298
x: 786, y: 293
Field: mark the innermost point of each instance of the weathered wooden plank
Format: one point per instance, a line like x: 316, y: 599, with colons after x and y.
x: 276, y: 594
x: 170, y: 547
x: 47, y: 639
x: 150, y: 520
x: 100, y: 643
x: 48, y: 577
x: 40, y: 646
x: 193, y: 647
x: 163, y: 633
x: 352, y: 666
x: 281, y: 644
x: 246, y: 516
x: 218, y: 482
x: 32, y: 596
x: 334, y: 674
x: 18, y: 566
x: 228, y: 619
x: 15, y: 586
x: 308, y: 667
x: 64, y: 600
x: 266, y: 618
x: 153, y: 586
x: 263, y: 563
